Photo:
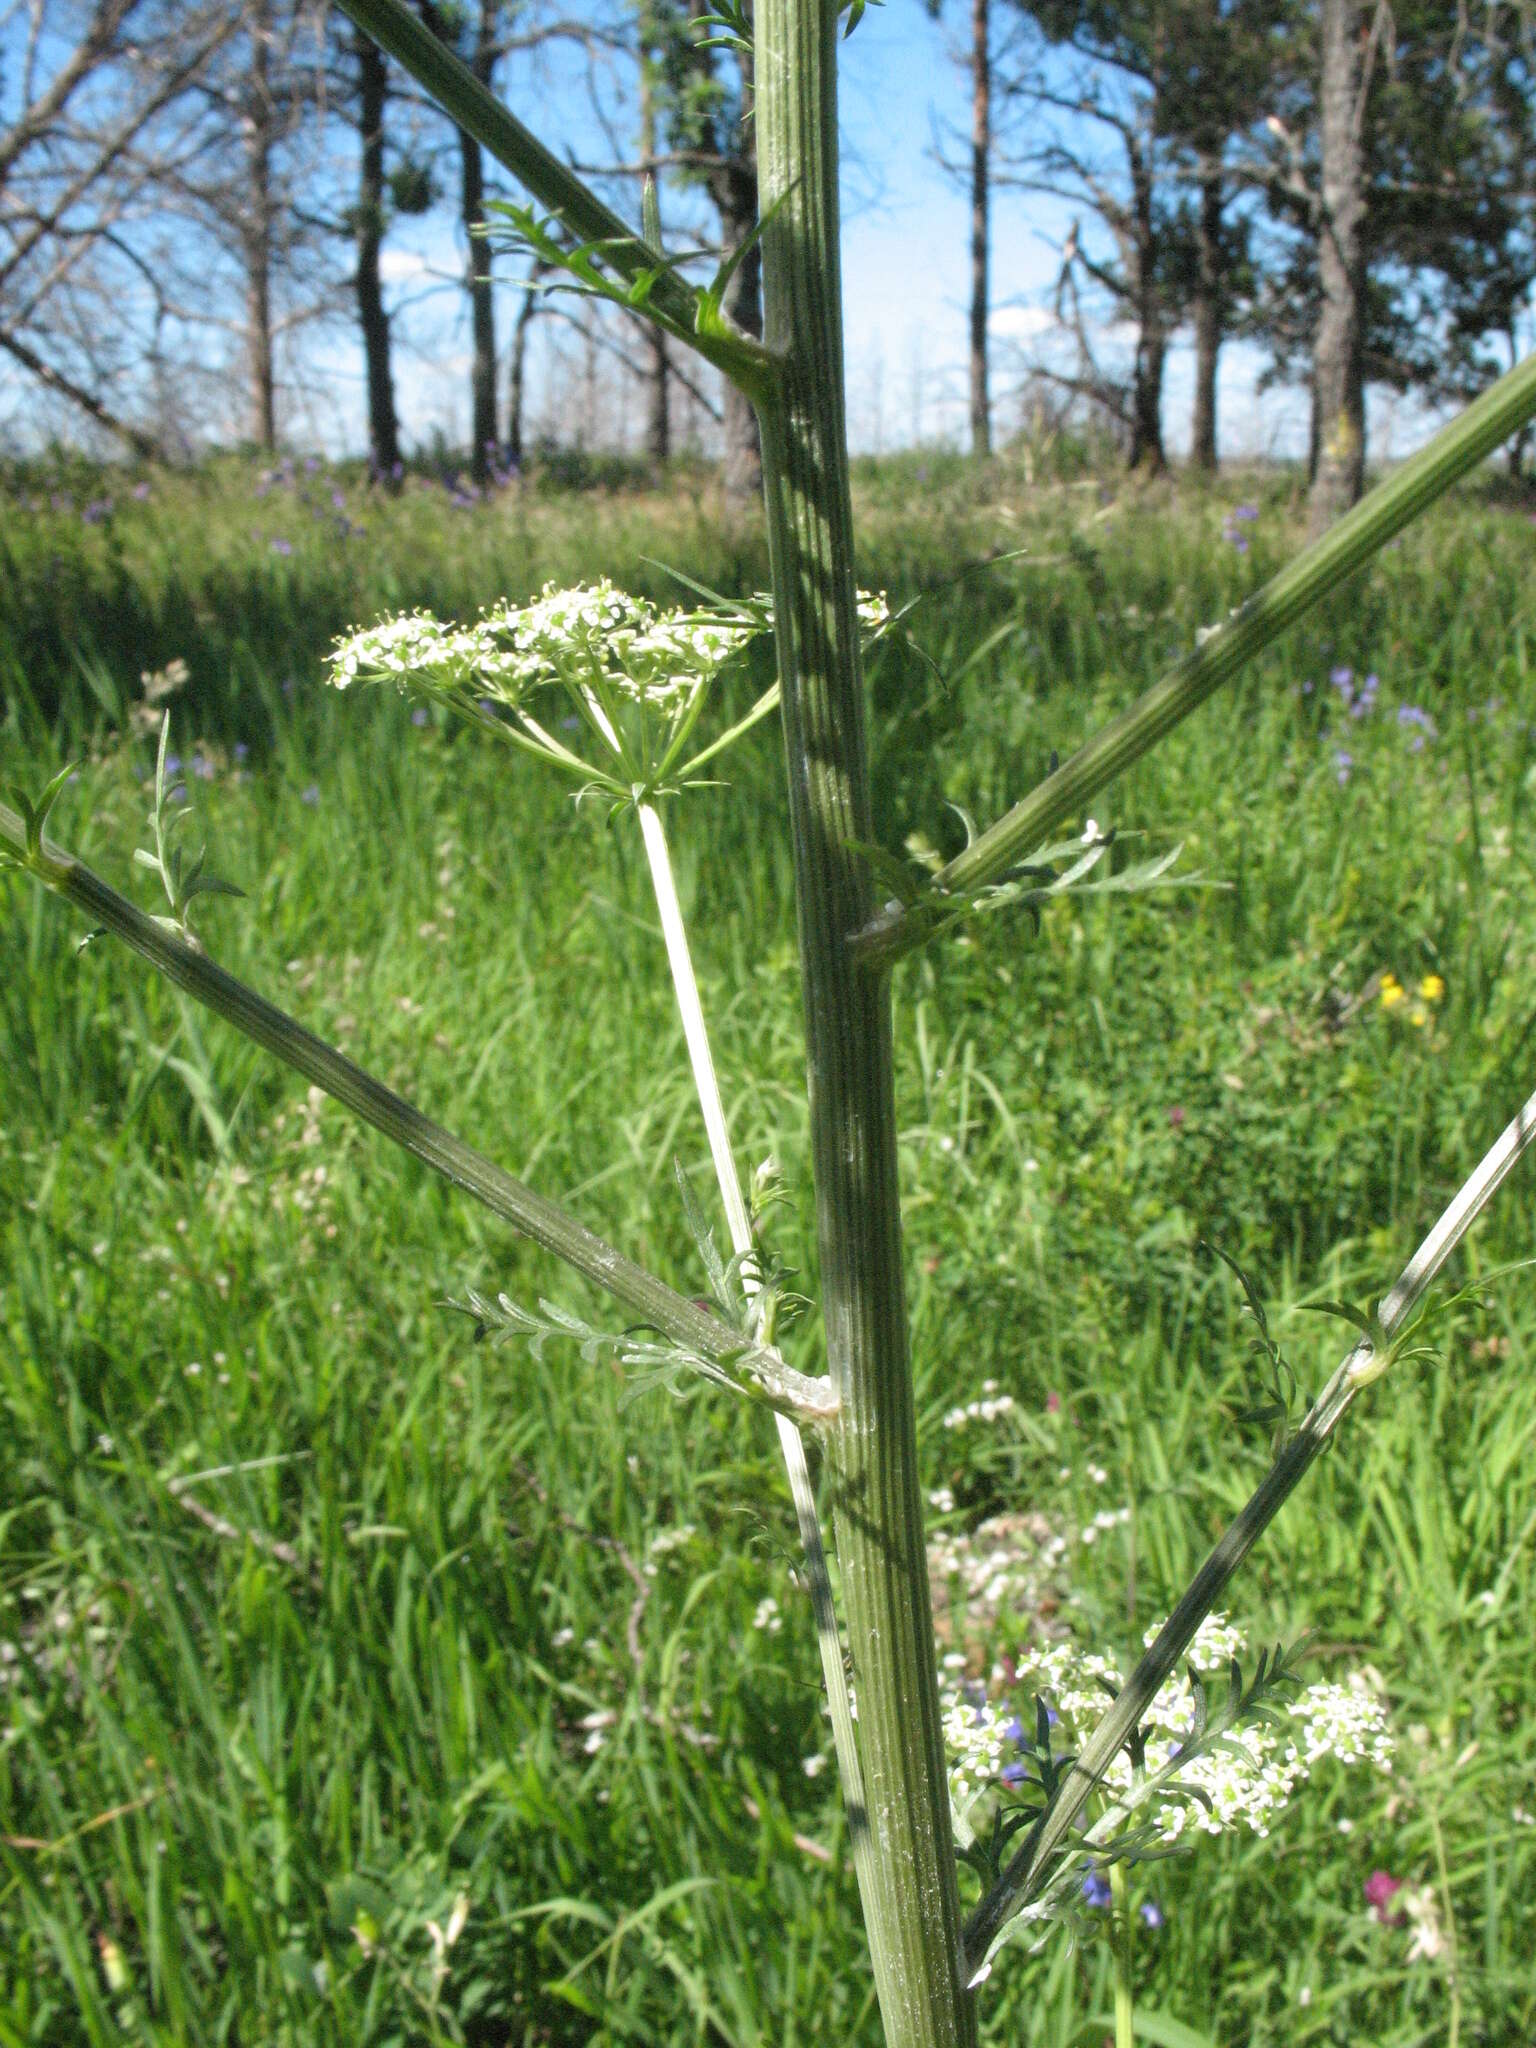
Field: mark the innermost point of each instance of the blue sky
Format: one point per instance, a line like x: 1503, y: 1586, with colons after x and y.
x: 906, y: 283
x: 905, y: 259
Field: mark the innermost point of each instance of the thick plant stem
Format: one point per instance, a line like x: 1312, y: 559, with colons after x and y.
x: 911, y: 1907
x: 707, y: 1088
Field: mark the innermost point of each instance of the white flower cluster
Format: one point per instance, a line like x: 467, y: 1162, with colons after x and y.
x: 1005, y: 1566
x: 666, y: 1540
x: 598, y: 632
x: 1106, y: 1518
x: 767, y: 1615
x: 593, y: 635
x: 1245, y: 1777
x: 415, y: 646
x: 987, y: 1409
x: 978, y: 1740
x: 1249, y: 1775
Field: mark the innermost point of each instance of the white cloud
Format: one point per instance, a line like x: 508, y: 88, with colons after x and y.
x: 1020, y: 323
x: 398, y: 266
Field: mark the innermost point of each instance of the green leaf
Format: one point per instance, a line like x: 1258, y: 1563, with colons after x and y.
x: 1356, y: 1318
x: 898, y: 878
x: 1155, y: 2027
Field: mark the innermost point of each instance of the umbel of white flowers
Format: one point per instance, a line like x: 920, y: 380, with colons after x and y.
x: 1193, y: 1774
x: 635, y: 676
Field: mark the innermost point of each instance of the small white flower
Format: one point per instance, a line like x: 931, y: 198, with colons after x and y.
x: 768, y: 1616
x: 813, y: 1766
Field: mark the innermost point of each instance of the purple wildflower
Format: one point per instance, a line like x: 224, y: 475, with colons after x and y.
x: 1151, y: 1914
x: 203, y: 768
x: 311, y: 795
x: 1096, y: 1888
x: 177, y: 794
x: 96, y: 511
x: 142, y: 490
x: 281, y: 546
x: 421, y: 715
x: 1341, y: 678
x: 339, y: 500
x: 1379, y: 1889
x: 1013, y: 1774
x: 1014, y: 1729
x: 1365, y: 701
x: 1245, y: 512
x: 311, y: 464
x: 1342, y: 764
x: 242, y: 751
x: 173, y: 764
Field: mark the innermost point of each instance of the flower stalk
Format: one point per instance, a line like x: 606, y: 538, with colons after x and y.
x: 743, y: 1244
x: 1123, y: 1943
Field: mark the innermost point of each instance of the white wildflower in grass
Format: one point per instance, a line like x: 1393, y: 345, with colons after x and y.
x: 987, y: 1409
x: 1205, y: 1759
x: 767, y: 1615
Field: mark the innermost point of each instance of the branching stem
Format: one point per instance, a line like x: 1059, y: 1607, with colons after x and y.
x: 1501, y: 411
x: 1030, y: 1871
x: 189, y: 968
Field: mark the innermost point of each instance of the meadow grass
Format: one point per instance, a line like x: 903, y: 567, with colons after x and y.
x: 469, y: 1624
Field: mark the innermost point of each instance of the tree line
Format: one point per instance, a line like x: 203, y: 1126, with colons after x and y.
x: 1348, y: 184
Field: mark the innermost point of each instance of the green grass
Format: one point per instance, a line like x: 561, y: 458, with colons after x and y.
x: 238, y: 1782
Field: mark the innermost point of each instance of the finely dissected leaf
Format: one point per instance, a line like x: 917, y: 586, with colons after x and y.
x: 1277, y: 1376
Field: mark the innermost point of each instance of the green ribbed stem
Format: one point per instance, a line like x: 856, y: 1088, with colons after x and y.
x: 1029, y: 1874
x: 397, y: 28
x: 910, y: 1897
x: 759, y: 1373
x: 1470, y: 438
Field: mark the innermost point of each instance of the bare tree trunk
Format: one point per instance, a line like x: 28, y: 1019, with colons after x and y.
x: 733, y: 188
x: 477, y: 269
x: 256, y: 236
x: 658, y: 419
x: 1207, y: 311
x: 981, y: 154
x: 1151, y: 337
x: 1338, y: 350
x: 383, y: 429
x: 516, y: 378
x: 482, y: 308
x: 1147, y: 399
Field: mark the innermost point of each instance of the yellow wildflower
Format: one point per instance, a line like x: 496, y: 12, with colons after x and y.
x: 1392, y: 991
x: 1431, y: 988
x: 1418, y: 1015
